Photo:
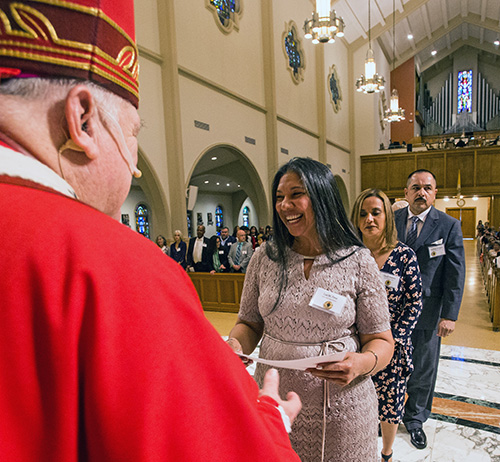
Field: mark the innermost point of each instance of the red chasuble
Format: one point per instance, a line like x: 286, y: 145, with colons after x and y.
x: 105, y: 353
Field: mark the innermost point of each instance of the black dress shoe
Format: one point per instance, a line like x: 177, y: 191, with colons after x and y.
x: 418, y: 438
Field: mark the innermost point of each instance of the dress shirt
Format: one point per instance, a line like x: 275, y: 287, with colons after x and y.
x: 420, y: 223
x: 197, y: 250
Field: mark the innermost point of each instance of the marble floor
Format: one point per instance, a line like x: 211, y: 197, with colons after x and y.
x: 465, y: 422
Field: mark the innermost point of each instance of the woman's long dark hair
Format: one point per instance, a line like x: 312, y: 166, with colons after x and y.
x: 335, y: 231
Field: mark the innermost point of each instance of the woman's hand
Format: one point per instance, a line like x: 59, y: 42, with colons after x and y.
x: 236, y: 347
x: 345, y: 371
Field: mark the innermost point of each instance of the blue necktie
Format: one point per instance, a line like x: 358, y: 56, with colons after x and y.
x: 413, y: 232
x: 238, y: 254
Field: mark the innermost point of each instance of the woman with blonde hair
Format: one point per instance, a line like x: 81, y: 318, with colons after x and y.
x: 178, y: 249
x: 373, y: 217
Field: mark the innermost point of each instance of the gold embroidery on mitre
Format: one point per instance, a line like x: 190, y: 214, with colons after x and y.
x: 122, y: 70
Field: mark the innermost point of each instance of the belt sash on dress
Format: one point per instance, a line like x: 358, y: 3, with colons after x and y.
x: 338, y: 346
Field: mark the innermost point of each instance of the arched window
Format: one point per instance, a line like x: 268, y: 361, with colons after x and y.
x: 464, y: 91
x: 293, y: 52
x: 142, y: 220
x: 228, y: 13
x: 219, y: 219
x: 246, y: 216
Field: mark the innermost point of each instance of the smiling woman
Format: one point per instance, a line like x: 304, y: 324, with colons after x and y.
x: 315, y: 254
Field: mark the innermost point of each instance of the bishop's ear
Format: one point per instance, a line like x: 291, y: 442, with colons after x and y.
x: 81, y: 116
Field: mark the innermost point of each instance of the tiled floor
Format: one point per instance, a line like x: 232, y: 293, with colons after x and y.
x: 465, y: 424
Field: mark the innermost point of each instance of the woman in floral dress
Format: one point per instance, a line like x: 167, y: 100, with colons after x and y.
x: 372, y: 215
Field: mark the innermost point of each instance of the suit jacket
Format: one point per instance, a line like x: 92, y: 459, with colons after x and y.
x: 206, y: 256
x: 443, y: 276
x: 246, y: 254
x: 228, y: 244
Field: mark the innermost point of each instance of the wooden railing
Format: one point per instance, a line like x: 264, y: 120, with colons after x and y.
x: 219, y: 292
x: 491, y: 276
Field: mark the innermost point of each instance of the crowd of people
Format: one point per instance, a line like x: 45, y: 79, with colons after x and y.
x: 221, y: 253
x: 103, y: 359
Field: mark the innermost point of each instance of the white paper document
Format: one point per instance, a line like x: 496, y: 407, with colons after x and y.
x: 298, y: 364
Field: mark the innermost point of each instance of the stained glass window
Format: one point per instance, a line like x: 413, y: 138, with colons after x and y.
x: 142, y: 220
x: 464, y: 91
x: 219, y: 218
x: 189, y: 221
x: 292, y: 50
x: 224, y: 9
x: 246, y: 216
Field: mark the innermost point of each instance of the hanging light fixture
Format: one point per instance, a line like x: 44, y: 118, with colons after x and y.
x: 325, y: 25
x: 394, y: 113
x: 370, y: 82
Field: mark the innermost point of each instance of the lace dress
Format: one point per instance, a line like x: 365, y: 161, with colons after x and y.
x: 295, y: 330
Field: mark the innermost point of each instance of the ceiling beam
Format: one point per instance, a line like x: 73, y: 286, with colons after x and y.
x: 409, y: 7
x: 471, y: 42
x: 457, y: 21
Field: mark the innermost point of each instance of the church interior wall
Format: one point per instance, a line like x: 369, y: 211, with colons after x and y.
x: 340, y: 164
x: 337, y: 123
x: 206, y: 203
x: 253, y: 217
x: 233, y: 60
x: 482, y: 205
x: 294, y: 101
x: 490, y: 72
x: 230, y: 122
x: 152, y: 135
x: 296, y: 143
x: 146, y: 26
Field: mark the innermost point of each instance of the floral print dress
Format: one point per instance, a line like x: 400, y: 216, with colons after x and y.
x: 405, y: 305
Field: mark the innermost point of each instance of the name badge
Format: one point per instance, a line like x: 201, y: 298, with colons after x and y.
x: 221, y: 252
x: 229, y: 243
x: 327, y: 301
x: 244, y: 252
x: 436, y: 250
x: 178, y: 250
x: 391, y: 281
x: 204, y: 245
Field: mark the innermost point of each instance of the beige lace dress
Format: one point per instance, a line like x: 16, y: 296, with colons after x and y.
x: 295, y: 330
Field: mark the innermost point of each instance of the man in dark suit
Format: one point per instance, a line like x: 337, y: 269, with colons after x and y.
x: 226, y: 240
x: 437, y: 240
x: 199, y: 253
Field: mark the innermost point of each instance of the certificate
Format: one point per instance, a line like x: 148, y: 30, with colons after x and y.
x: 298, y: 364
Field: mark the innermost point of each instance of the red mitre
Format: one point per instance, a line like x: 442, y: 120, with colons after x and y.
x: 83, y: 39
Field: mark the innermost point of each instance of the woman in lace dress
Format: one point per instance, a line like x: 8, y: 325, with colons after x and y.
x: 372, y: 215
x: 315, y: 247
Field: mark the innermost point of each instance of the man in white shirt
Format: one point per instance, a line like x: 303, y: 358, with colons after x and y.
x: 198, y: 254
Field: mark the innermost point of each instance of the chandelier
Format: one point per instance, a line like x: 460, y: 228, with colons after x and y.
x: 325, y: 25
x: 394, y: 113
x: 370, y: 81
